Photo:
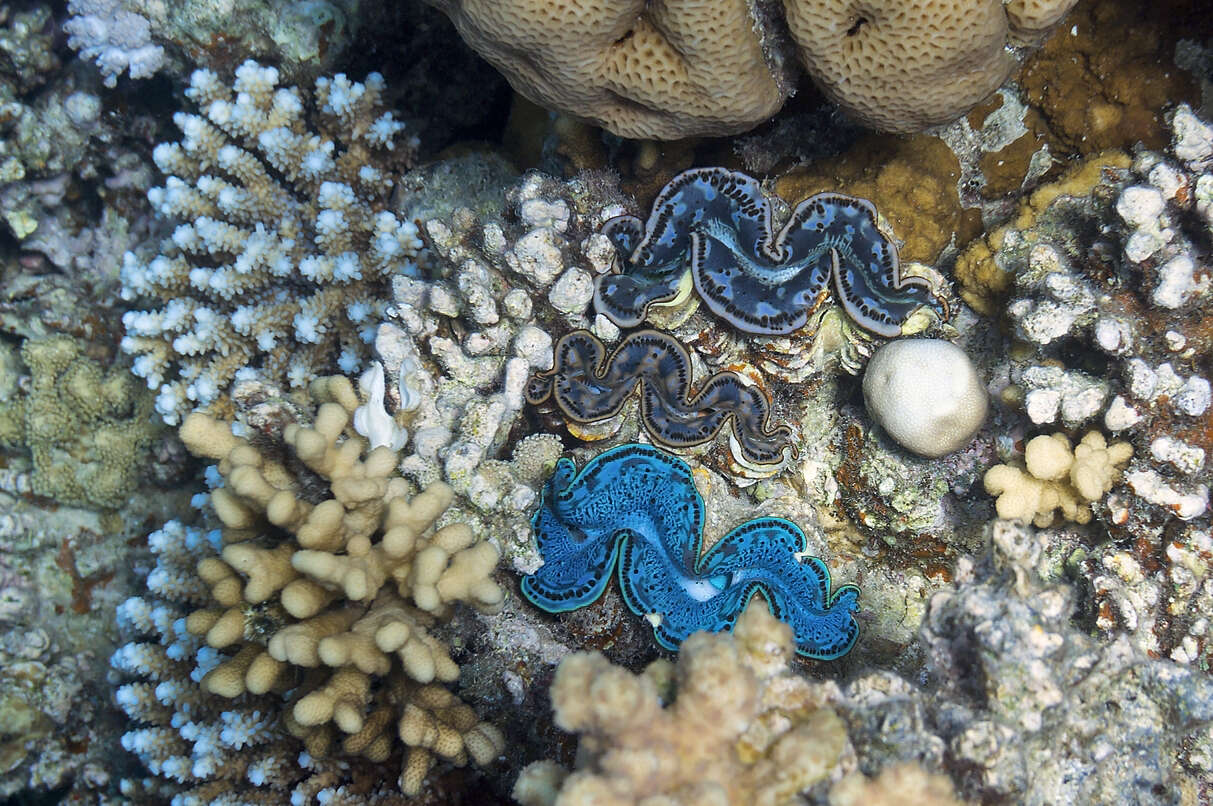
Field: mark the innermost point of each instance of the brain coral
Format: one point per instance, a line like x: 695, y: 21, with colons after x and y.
x: 665, y: 70
x: 668, y: 69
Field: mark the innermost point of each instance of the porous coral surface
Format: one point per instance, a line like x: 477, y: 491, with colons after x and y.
x: 904, y: 66
x: 682, y: 68
x: 675, y: 69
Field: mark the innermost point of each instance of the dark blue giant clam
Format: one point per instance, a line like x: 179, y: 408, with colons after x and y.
x: 717, y: 224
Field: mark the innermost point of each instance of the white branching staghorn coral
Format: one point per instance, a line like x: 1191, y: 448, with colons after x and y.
x: 285, y: 238
x: 305, y: 622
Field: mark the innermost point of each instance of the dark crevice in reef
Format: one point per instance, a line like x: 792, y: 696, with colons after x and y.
x: 433, y: 79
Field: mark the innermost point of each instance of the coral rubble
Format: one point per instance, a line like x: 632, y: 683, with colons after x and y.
x: 44, y: 179
x: 63, y: 571
x: 1108, y: 306
x: 1043, y: 685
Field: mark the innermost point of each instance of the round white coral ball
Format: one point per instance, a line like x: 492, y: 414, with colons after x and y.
x: 926, y: 395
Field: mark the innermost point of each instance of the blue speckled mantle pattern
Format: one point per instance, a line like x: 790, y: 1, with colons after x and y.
x: 717, y: 224
x: 638, y: 505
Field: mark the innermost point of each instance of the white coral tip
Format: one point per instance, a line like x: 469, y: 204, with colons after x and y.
x: 372, y: 419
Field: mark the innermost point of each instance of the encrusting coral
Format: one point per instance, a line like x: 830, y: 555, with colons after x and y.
x: 323, y: 583
x: 985, y: 272
x: 1101, y: 85
x: 285, y: 240
x: 912, y: 181
x: 1056, y: 478
x: 87, y: 428
x: 739, y: 726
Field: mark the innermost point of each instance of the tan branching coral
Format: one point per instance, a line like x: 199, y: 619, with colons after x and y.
x: 903, y: 66
x: 742, y: 727
x: 1056, y: 478
x: 668, y: 69
x: 334, y: 599
x: 665, y: 70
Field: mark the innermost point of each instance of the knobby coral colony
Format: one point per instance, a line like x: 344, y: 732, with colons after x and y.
x: 588, y: 387
x: 720, y: 223
x: 639, y: 504
x: 314, y: 615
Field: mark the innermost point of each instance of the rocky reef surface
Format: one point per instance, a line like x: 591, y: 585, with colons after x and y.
x: 313, y: 336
